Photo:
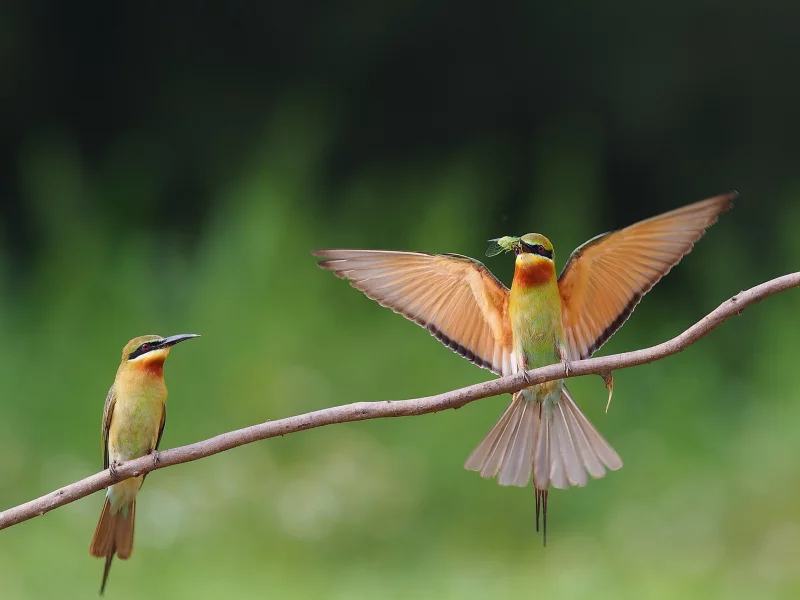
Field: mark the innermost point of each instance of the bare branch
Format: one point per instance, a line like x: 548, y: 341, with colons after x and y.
x: 361, y: 411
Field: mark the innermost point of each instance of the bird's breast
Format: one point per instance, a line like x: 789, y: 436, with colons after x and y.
x: 535, y: 312
x: 136, y: 419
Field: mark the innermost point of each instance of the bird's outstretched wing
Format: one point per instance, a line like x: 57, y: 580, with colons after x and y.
x: 454, y: 297
x: 606, y: 277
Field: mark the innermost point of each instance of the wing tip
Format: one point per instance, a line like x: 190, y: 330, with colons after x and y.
x: 329, y: 266
x: 324, y: 254
x: 726, y: 200
x: 721, y: 202
x: 329, y: 260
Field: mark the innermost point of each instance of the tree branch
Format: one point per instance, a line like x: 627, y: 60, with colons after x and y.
x: 361, y: 411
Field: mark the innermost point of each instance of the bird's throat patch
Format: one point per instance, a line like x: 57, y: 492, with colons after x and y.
x: 533, y: 273
x: 153, y: 366
x: 156, y: 368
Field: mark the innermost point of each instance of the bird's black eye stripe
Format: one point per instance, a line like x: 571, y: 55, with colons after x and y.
x: 143, y: 349
x: 537, y: 249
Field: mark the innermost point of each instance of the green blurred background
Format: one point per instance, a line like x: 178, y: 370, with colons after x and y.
x: 168, y: 168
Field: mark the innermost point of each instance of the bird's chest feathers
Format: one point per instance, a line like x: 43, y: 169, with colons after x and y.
x: 535, y: 307
x: 136, y: 419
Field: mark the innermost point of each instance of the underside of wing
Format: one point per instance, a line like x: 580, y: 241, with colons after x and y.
x: 605, y: 279
x: 454, y: 297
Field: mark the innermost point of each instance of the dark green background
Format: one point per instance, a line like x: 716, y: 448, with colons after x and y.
x: 167, y: 168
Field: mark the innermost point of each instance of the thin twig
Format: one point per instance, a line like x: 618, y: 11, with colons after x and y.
x: 361, y: 411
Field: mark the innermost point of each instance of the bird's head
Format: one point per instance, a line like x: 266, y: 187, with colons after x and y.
x: 535, y: 263
x: 534, y: 247
x: 150, y: 350
x: 528, y: 248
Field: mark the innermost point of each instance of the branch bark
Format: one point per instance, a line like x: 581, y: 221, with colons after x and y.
x: 361, y: 411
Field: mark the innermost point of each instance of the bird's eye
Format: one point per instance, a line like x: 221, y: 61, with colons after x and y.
x: 539, y: 250
x: 145, y: 347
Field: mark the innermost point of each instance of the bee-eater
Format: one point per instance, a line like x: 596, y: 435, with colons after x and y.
x: 541, y: 320
x: 133, y: 421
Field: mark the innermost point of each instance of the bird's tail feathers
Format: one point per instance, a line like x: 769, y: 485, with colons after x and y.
x: 568, y: 447
x: 555, y: 442
x: 506, y: 451
x: 113, y: 535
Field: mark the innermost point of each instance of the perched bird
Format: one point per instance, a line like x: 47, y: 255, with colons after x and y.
x: 133, y: 421
x: 541, y: 320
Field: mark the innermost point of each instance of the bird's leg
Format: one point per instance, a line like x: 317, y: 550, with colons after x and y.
x: 527, y: 393
x: 525, y: 376
x: 564, y: 356
x: 524, y: 367
x: 112, y: 468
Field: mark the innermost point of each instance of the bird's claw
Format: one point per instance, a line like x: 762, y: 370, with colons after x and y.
x: 112, y: 468
x: 156, y: 457
x: 567, y: 368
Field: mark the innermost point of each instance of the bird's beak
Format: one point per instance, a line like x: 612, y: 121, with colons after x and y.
x: 177, y: 339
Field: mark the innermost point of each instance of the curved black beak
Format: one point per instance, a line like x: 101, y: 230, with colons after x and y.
x: 177, y: 339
